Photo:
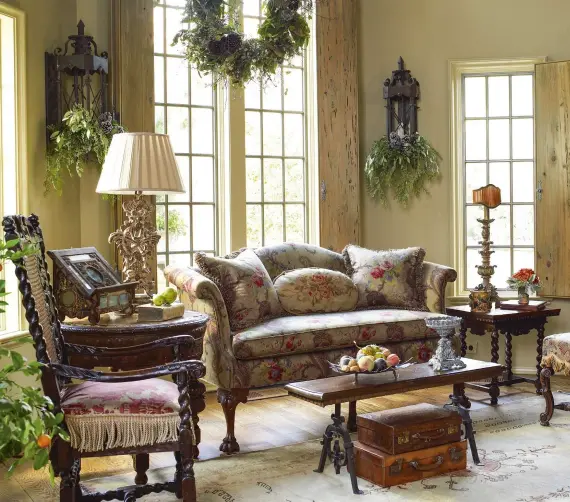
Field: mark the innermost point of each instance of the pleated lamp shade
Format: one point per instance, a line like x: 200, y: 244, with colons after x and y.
x: 140, y: 162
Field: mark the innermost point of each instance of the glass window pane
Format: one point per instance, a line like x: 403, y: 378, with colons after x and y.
x: 202, y: 131
x: 294, y: 136
x: 173, y: 26
x: 159, y: 79
x: 501, y: 227
x: 475, y: 177
x: 252, y: 133
x: 180, y: 260
x: 203, y: 227
x: 294, y: 180
x: 499, y: 139
x: 523, y: 139
x: 159, y: 119
x: 253, y: 180
x: 252, y: 95
x: 502, y: 259
x: 500, y: 175
x: 159, y: 29
x: 176, y: 3
x: 177, y: 81
x: 184, y: 168
x: 523, y: 189
x: 250, y: 27
x: 272, y: 93
x: 473, y: 227
x: 202, y: 89
x: 475, y: 100
x: 177, y: 126
x: 251, y: 8
x: 272, y: 134
x: 179, y: 228
x: 272, y: 180
x: 160, y: 279
x: 161, y: 228
x: 295, y: 223
x: 475, y: 140
x: 202, y: 179
x: 293, y: 89
x: 523, y: 225
x: 499, y: 96
x: 522, y: 86
x: 273, y: 224
x: 523, y: 258
x: 473, y: 259
x: 254, y: 226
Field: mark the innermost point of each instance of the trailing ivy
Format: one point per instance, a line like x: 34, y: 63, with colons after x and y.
x: 80, y: 138
x: 405, y: 170
x: 213, y: 43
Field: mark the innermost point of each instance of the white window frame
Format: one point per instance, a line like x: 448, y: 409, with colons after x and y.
x: 457, y: 70
x: 12, y: 323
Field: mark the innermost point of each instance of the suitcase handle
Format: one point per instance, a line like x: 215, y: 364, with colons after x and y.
x: 426, y: 439
x: 429, y: 467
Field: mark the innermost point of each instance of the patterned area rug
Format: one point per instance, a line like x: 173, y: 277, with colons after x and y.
x: 522, y: 462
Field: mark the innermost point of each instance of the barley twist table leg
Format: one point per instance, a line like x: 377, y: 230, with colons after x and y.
x: 494, y: 390
x: 539, y: 340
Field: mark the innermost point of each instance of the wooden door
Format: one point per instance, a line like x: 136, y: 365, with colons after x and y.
x: 552, y: 97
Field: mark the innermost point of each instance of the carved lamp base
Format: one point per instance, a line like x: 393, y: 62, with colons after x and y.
x: 445, y: 358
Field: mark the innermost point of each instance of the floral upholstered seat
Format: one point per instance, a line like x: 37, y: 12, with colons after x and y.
x: 103, y: 416
x: 321, y: 332
x: 556, y: 353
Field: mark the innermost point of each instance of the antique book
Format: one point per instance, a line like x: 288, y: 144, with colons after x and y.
x: 386, y: 470
x: 515, y: 305
x: 409, y: 428
x: 150, y: 312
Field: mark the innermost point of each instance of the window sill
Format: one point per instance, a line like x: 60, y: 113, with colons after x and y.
x: 7, y: 338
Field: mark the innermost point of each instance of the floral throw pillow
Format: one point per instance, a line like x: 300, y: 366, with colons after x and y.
x: 387, y: 279
x: 245, y: 285
x: 315, y: 290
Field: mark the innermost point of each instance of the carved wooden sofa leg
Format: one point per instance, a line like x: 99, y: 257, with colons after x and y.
x: 545, y: 375
x: 229, y: 399
x: 141, y: 463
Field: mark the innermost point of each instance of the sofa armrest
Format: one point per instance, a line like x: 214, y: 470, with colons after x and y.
x: 436, y: 278
x: 200, y: 294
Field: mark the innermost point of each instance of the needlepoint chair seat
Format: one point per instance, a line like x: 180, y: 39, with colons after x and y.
x: 555, y: 359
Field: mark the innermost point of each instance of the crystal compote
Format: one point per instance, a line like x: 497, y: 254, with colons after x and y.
x: 445, y: 357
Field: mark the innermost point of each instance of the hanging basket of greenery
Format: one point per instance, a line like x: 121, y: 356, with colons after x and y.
x: 402, y: 165
x: 81, y: 137
x: 214, y: 44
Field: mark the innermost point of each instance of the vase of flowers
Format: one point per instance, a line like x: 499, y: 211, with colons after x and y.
x: 525, y: 281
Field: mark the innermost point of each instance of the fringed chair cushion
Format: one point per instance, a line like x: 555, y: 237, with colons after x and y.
x: 556, y: 353
x: 102, y: 416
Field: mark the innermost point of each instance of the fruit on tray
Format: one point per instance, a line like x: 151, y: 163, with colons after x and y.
x: 393, y: 360
x: 370, y: 358
x: 366, y: 363
x: 380, y: 364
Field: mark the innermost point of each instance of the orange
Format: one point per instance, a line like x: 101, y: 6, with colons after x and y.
x: 44, y: 441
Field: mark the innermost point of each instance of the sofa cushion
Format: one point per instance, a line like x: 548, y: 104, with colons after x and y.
x: 316, y: 332
x: 387, y: 279
x: 315, y: 290
x: 246, y: 287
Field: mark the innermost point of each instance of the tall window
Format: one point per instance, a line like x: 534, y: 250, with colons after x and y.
x: 496, y: 145
x: 12, y: 145
x: 186, y: 111
x: 275, y: 167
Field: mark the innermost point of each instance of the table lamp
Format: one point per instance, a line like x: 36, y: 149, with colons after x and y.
x: 489, y: 197
x: 139, y: 163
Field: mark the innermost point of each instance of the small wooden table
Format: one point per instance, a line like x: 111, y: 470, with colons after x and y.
x: 345, y: 389
x: 510, y: 323
x: 115, y: 330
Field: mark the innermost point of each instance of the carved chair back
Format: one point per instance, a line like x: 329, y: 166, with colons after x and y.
x: 37, y: 296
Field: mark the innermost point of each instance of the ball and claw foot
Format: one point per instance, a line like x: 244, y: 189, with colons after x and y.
x: 229, y: 445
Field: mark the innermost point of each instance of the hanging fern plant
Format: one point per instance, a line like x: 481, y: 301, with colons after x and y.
x: 214, y: 44
x: 401, y: 165
x: 81, y: 137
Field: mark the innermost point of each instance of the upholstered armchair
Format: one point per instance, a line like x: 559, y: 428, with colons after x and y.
x: 555, y: 359
x: 124, y: 413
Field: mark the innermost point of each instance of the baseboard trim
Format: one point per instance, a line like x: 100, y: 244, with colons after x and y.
x: 524, y: 370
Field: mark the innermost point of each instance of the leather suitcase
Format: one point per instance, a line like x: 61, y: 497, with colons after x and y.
x: 388, y: 470
x: 409, y: 428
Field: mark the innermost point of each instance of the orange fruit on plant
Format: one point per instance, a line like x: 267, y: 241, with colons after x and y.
x: 44, y: 441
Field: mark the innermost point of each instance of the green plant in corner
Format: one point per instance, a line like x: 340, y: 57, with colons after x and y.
x: 404, y: 167
x: 81, y: 137
x: 28, y: 423
x: 176, y: 225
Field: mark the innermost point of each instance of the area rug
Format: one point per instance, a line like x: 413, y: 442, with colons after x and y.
x: 522, y: 462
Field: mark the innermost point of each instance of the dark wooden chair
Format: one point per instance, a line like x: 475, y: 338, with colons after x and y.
x: 122, y: 413
x: 555, y: 359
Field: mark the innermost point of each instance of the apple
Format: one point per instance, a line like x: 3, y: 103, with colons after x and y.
x: 366, y: 363
x: 393, y: 360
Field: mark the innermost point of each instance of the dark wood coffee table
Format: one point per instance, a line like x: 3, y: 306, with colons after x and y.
x: 344, y: 389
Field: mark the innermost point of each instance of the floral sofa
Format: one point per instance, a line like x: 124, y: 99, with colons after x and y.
x: 281, y: 347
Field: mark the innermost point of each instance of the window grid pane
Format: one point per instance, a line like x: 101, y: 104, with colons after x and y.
x: 499, y: 148
x: 276, y: 146
x: 185, y: 110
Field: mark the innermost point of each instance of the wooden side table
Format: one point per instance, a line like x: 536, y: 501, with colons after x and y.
x: 115, y: 330
x: 510, y: 323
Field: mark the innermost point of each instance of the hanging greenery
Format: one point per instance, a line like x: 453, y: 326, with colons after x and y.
x: 215, y: 45
x: 81, y: 137
x: 402, y: 164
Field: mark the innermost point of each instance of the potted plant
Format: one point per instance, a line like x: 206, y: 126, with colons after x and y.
x: 27, y: 421
x: 524, y: 281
